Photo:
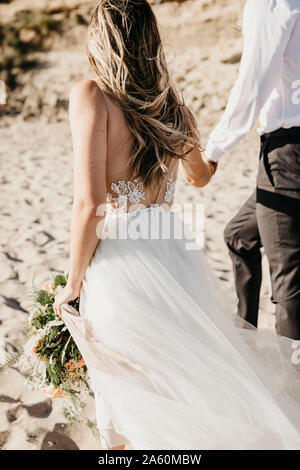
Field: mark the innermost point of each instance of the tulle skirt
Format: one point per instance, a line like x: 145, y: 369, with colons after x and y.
x: 170, y: 365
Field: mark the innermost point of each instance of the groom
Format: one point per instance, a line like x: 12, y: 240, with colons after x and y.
x: 268, y: 86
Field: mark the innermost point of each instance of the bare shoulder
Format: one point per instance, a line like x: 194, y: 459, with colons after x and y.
x: 86, y: 97
x: 84, y: 88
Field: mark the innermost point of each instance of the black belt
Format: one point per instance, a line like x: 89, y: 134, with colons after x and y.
x: 292, y: 135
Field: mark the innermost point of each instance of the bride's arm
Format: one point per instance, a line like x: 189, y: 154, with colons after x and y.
x: 198, y: 169
x: 88, y: 121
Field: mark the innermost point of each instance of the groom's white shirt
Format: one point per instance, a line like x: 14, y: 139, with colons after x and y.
x: 268, y: 84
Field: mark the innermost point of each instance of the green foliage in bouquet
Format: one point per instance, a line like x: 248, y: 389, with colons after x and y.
x: 54, y: 361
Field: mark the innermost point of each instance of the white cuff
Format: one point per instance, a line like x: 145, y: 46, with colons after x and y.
x: 213, y: 152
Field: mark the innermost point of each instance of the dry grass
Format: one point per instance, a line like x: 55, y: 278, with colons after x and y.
x: 22, y: 37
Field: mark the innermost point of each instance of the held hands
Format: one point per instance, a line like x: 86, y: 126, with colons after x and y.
x: 209, y: 169
x: 212, y: 166
x: 66, y: 295
x: 198, y: 168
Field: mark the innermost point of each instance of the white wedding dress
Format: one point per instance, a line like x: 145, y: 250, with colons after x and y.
x: 170, y: 365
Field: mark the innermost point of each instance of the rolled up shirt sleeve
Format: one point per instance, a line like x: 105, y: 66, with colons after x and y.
x: 265, y: 40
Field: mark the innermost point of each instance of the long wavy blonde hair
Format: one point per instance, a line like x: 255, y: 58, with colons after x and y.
x: 125, y: 51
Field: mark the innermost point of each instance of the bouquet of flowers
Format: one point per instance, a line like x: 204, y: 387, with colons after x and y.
x: 50, y: 354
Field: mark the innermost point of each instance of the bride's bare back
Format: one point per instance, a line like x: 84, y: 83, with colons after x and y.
x: 101, y: 155
x: 103, y: 121
x: 119, y: 181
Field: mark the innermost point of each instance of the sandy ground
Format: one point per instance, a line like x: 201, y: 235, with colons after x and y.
x: 35, y: 189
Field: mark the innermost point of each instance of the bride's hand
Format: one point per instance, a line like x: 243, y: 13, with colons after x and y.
x: 66, y: 295
x: 198, y: 168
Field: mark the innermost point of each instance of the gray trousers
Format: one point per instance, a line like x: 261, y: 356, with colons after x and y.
x: 271, y: 218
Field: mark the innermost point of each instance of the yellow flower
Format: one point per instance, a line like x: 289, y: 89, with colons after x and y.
x: 36, y: 351
x: 72, y: 367
x: 53, y: 392
x: 49, y: 287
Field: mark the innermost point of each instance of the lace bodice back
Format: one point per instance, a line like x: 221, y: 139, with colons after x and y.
x: 127, y: 193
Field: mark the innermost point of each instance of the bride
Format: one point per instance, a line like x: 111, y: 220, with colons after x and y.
x: 170, y: 366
